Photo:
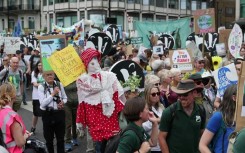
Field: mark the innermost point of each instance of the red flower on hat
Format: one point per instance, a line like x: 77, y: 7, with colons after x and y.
x: 89, y: 54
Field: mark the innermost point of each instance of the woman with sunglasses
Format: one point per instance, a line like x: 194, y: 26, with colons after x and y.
x: 152, y: 97
x: 167, y: 96
x: 199, y: 67
x: 220, y: 125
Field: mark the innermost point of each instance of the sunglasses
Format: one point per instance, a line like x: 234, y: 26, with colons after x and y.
x: 198, y: 82
x: 205, y: 81
x: 157, y: 84
x: 201, y: 62
x: 184, y: 95
x: 155, y: 94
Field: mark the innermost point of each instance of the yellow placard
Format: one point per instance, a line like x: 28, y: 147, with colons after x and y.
x: 67, y: 65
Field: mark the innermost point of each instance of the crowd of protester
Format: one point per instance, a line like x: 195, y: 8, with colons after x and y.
x: 175, y: 112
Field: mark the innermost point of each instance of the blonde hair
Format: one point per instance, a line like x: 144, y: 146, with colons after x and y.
x: 163, y: 74
x: 147, y: 92
x: 151, y: 78
x: 7, y: 93
x: 175, y: 71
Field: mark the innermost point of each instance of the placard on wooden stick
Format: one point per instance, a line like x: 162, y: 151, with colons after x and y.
x: 240, y: 107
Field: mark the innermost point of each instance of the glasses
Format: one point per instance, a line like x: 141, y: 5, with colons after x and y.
x: 201, y: 62
x: 157, y: 84
x: 198, y: 82
x: 184, y: 95
x: 155, y: 94
x: 205, y: 81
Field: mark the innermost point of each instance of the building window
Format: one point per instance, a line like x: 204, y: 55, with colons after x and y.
x: 72, y: 1
x: 60, y: 21
x: 120, y: 18
x: 242, y: 9
x: 204, y: 5
x: 130, y: 1
x: 81, y: 0
x: 160, y: 18
x: 161, y: 4
x: 11, y: 23
x: 174, y: 4
x: 50, y: 2
x: 22, y: 22
x: 44, y: 2
x: 147, y: 17
x: 145, y: 2
x: 31, y: 22
x: 230, y: 12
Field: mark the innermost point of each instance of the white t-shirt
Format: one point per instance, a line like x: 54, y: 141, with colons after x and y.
x: 39, y: 80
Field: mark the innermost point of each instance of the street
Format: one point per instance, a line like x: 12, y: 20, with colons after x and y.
x: 26, y: 113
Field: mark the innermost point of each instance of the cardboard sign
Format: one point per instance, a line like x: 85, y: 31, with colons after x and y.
x: 220, y: 49
x: 240, y: 107
x: 67, y: 65
x: 11, y: 44
x: 48, y: 45
x: 158, y: 50
x: 129, y: 49
x: 235, y: 41
x: 123, y: 69
x: 224, y: 77
x: 204, y: 21
x: 181, y: 59
x: 224, y: 36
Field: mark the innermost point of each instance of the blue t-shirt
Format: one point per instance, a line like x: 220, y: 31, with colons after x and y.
x: 213, y: 126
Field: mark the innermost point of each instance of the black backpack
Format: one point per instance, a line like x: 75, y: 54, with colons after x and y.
x: 6, y: 75
x: 112, y: 143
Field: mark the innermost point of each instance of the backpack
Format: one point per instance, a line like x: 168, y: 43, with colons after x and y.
x: 112, y: 144
x: 232, y: 139
x: 6, y: 75
x: 45, y: 86
x: 35, y: 146
x: 173, y: 109
x: 208, y: 107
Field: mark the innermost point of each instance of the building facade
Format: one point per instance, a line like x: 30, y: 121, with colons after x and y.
x: 40, y: 14
x: 27, y: 11
x: 66, y: 12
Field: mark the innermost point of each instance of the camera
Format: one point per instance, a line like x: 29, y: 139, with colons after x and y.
x: 57, y: 99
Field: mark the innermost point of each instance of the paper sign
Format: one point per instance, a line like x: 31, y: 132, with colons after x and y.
x: 67, y: 65
x: 204, y: 21
x: 235, y: 41
x: 158, y: 50
x: 48, y: 45
x: 224, y: 77
x: 220, y: 48
x: 142, y: 50
x: 181, y: 59
x: 240, y: 107
x: 11, y: 44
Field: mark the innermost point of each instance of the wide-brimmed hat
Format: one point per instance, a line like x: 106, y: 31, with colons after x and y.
x: 184, y: 86
x: 195, y: 76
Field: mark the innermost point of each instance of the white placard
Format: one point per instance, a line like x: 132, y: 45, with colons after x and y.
x: 220, y: 48
x: 235, y: 41
x: 11, y: 44
x: 158, y: 50
x: 224, y: 77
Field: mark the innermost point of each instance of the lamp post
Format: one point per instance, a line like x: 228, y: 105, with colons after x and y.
x: 8, y: 14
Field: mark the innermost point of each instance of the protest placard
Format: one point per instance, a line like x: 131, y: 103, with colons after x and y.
x: 235, y: 41
x: 181, y: 59
x: 224, y: 36
x: 11, y: 44
x: 220, y: 49
x: 48, y: 45
x: 240, y: 107
x: 204, y: 21
x: 67, y: 65
x: 136, y: 40
x: 158, y: 50
x: 224, y: 77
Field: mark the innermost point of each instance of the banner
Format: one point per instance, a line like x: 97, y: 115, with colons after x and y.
x: 181, y: 59
x: 74, y: 32
x: 181, y: 26
x: 224, y: 77
x: 67, y: 65
x: 235, y: 41
x: 136, y: 40
x: 204, y: 21
x: 48, y: 45
x: 224, y: 36
x: 11, y: 44
x: 240, y: 107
